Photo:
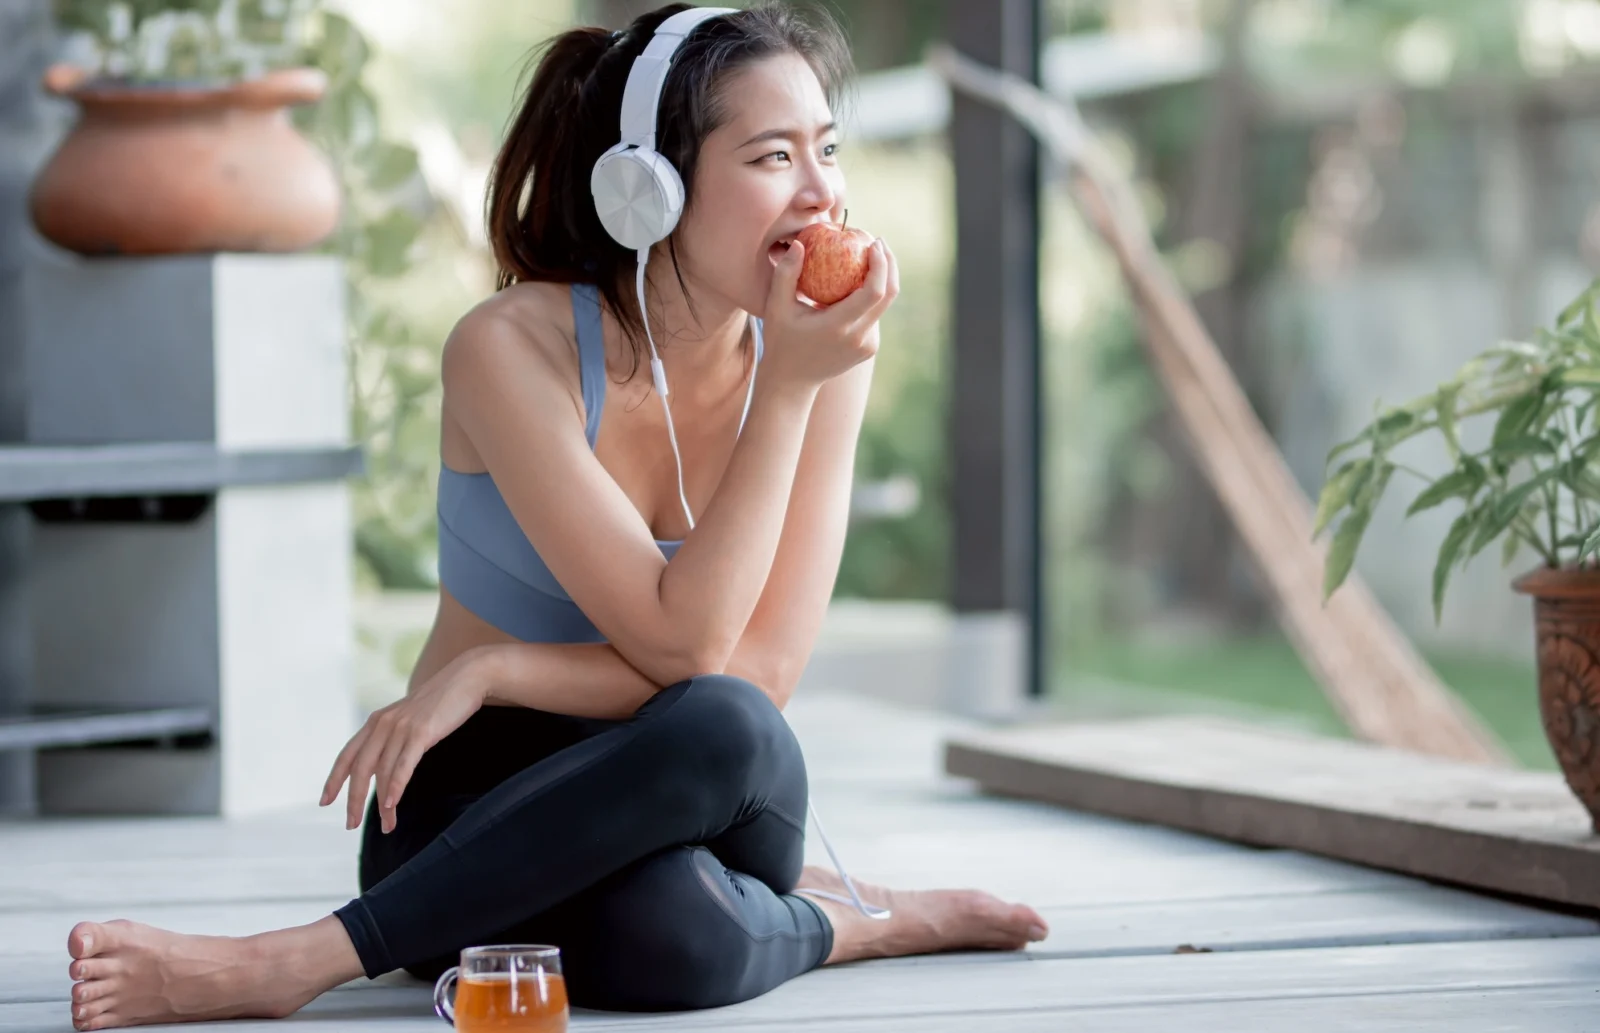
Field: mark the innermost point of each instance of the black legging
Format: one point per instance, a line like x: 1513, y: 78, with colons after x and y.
x: 659, y: 853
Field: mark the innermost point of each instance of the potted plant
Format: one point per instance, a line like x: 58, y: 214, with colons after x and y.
x: 1533, y: 486
x: 184, y: 142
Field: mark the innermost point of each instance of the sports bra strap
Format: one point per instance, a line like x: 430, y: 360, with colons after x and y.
x: 591, y: 355
x: 592, y: 358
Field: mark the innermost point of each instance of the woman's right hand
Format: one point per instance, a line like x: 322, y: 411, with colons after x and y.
x: 812, y: 344
x: 387, y: 748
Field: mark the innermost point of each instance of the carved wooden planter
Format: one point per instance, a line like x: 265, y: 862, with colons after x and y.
x: 1566, y: 607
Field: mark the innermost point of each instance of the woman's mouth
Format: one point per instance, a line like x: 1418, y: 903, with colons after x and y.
x: 778, y: 249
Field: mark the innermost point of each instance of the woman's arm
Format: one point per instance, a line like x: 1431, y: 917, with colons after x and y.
x: 505, y: 394
x: 670, y: 620
x: 582, y: 679
x: 594, y: 680
x: 782, y: 632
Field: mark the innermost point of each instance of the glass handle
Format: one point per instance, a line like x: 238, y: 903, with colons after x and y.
x: 441, y: 995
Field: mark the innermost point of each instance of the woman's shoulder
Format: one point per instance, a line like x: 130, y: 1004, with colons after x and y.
x: 510, y: 369
x: 523, y: 327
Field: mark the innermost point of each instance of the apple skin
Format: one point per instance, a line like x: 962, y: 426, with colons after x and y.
x: 835, y: 263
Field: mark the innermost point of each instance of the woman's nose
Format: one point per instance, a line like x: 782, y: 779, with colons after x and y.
x: 819, y: 193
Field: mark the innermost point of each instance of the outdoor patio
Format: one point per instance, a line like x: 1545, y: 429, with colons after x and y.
x: 1150, y: 928
x: 197, y: 601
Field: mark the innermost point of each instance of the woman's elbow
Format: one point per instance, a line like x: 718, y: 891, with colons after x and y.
x: 768, y: 674
x: 671, y: 666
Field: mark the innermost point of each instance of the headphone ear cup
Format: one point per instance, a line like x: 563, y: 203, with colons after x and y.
x: 637, y: 194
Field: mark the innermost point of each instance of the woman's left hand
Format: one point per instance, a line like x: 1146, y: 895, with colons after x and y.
x: 394, y: 738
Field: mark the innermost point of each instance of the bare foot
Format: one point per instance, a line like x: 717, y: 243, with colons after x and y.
x: 921, y: 921
x: 127, y: 974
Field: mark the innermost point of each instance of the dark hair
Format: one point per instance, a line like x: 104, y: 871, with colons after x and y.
x: 542, y: 223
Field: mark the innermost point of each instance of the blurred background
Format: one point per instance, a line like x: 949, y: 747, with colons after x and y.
x: 1359, y: 194
x: 1399, y: 183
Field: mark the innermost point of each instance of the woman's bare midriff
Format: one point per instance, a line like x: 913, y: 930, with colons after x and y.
x: 456, y: 629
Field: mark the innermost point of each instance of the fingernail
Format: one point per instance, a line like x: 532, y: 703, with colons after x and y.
x: 1037, y: 933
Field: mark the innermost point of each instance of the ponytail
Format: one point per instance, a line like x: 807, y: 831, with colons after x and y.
x: 534, y: 238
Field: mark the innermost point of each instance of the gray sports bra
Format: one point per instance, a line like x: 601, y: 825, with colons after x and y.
x: 485, y: 561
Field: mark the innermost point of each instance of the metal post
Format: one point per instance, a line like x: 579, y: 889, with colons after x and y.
x: 995, y: 411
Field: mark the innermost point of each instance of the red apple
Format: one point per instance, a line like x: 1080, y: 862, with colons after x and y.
x: 836, y: 260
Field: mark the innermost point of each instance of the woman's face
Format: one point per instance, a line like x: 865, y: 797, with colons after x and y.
x: 766, y: 172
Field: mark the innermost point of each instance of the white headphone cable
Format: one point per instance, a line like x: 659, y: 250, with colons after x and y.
x: 871, y: 911
x: 658, y: 374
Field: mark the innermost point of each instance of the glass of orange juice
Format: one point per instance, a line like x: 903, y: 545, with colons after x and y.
x: 513, y: 988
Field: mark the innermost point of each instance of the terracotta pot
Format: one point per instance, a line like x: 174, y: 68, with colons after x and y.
x: 176, y: 168
x: 1566, y: 609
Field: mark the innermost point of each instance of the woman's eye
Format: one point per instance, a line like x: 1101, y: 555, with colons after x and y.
x: 828, y: 151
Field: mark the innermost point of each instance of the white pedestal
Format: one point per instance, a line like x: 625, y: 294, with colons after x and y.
x: 246, y: 608
x: 987, y: 674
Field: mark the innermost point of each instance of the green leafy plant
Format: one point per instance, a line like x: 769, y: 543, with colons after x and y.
x: 386, y: 208
x: 142, y: 40
x: 1532, y: 486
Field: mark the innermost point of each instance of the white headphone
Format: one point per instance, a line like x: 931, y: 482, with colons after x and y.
x: 638, y: 194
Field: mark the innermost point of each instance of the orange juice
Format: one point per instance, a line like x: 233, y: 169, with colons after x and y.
x: 506, y: 1002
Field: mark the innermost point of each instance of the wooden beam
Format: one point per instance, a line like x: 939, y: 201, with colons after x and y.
x: 1517, y: 832
x: 994, y: 403
x: 1370, y: 672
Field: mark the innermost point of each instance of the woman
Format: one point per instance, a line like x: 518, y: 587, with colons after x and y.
x: 591, y: 751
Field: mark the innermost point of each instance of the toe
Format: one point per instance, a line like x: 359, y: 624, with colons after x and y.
x: 86, y: 939
x: 94, y: 1015
x: 1031, y: 923
x: 93, y: 968
x: 89, y: 939
x: 91, y: 990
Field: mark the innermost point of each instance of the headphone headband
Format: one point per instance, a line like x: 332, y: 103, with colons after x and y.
x: 641, y: 98
x: 637, y: 193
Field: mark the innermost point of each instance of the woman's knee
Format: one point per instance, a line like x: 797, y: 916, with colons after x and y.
x: 734, y: 726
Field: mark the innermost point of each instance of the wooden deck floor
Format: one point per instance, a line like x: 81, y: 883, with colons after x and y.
x: 1285, y: 940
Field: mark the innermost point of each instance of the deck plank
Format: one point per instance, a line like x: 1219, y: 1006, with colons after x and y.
x: 33, y: 959
x: 1507, y: 831
x: 1465, y: 988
